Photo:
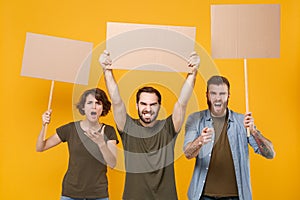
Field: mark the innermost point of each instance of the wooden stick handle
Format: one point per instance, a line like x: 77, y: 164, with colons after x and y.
x: 50, y: 95
x: 246, y: 91
x: 49, y: 104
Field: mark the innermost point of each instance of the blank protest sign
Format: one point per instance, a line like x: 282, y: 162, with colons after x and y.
x: 150, y: 47
x: 245, y: 31
x: 55, y: 58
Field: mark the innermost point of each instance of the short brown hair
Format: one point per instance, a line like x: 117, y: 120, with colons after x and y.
x: 100, y: 95
x: 148, y: 90
x: 218, y: 80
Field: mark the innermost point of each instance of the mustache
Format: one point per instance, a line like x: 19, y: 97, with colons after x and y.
x: 209, y: 103
x: 146, y: 112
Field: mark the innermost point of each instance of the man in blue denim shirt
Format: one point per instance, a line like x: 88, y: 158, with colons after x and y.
x: 217, y: 138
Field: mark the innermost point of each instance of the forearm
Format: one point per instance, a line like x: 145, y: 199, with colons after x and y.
x: 187, y: 89
x: 192, y: 149
x: 112, y: 87
x: 189, y: 83
x: 265, y: 146
x: 181, y: 104
x: 40, y: 143
x: 108, y: 155
x: 119, y: 109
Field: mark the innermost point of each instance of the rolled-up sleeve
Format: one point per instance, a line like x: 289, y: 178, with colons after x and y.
x: 191, y: 128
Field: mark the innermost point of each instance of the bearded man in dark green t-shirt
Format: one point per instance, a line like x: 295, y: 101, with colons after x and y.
x: 149, y: 143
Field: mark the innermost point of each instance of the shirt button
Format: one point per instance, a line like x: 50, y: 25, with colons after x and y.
x: 206, y: 168
x: 209, y: 155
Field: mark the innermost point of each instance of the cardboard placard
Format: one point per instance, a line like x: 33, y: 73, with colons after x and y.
x: 56, y: 58
x: 245, y: 31
x: 150, y: 47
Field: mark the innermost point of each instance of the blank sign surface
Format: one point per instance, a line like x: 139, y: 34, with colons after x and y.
x: 245, y: 31
x: 150, y: 47
x: 56, y: 58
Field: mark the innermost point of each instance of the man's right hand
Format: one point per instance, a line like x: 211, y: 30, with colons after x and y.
x: 206, y: 135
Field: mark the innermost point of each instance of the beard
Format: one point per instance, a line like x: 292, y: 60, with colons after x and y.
x: 224, y: 104
x: 148, y: 120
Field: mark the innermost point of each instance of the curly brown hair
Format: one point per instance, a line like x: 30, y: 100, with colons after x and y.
x: 100, y: 96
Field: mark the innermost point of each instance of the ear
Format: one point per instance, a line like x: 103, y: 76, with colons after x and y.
x: 82, y: 112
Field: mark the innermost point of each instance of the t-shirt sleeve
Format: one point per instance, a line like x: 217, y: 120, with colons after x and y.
x: 63, y: 132
x: 171, y: 128
x: 110, y: 133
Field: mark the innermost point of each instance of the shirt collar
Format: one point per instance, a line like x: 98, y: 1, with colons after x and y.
x: 208, y: 115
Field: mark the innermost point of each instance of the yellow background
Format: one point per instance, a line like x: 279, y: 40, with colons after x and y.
x: 274, y: 88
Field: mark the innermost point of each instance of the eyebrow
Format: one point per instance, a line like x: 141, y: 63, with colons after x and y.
x: 97, y: 101
x: 218, y: 92
x: 151, y: 104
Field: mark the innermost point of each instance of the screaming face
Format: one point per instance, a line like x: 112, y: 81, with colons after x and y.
x: 148, y: 108
x: 217, y: 99
x: 92, y: 108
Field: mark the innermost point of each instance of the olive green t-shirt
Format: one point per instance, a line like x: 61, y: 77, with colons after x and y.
x: 149, y: 160
x: 221, y: 180
x: 86, y: 174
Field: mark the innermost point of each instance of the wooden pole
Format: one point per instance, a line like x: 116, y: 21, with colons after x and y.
x: 49, y: 104
x: 246, y: 90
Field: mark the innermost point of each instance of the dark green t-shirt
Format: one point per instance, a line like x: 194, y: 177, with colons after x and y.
x: 220, y: 179
x: 86, y: 174
x: 149, y: 160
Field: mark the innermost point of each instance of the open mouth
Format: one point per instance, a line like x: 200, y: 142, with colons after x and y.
x: 93, y: 113
x: 147, y: 114
x: 217, y: 104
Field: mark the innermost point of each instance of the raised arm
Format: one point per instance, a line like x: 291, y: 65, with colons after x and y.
x: 43, y: 144
x: 186, y: 92
x: 119, y: 109
x: 265, y: 146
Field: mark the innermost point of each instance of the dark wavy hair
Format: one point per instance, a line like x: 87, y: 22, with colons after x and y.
x: 100, y: 95
x: 148, y: 90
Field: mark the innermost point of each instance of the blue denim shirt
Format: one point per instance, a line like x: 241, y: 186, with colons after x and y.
x: 238, y: 140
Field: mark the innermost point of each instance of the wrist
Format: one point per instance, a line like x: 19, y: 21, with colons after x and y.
x: 253, y: 131
x: 198, y: 143
x: 101, y: 145
x: 193, y: 72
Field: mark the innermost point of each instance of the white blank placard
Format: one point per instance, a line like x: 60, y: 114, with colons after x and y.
x: 245, y: 31
x: 55, y: 58
x: 150, y: 47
